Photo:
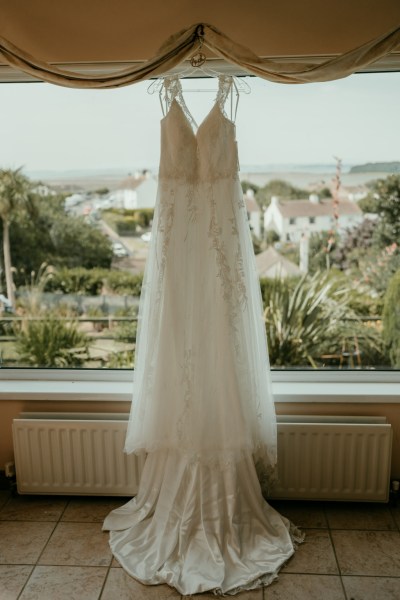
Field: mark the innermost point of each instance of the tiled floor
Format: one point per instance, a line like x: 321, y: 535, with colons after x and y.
x: 52, y: 548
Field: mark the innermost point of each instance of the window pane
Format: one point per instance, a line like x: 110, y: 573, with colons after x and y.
x: 322, y: 189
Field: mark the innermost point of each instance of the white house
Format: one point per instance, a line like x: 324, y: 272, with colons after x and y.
x: 135, y: 192
x: 290, y: 219
x: 253, y: 212
x: 43, y: 190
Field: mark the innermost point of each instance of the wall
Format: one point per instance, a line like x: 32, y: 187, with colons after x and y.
x: 11, y: 409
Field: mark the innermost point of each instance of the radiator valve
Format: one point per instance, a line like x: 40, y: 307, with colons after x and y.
x: 9, y: 469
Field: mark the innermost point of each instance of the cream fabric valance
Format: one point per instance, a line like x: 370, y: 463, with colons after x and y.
x: 185, y: 43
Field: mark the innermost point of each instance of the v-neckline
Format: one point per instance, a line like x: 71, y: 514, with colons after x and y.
x: 195, y: 132
x: 187, y: 115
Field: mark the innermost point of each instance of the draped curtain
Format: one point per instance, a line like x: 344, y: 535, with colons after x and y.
x: 182, y: 45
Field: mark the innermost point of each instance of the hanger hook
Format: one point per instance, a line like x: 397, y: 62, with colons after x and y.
x: 198, y: 59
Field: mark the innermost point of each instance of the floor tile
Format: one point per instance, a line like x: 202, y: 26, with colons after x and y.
x: 395, y: 511
x: 246, y: 595
x: 360, y: 516
x: 81, y: 544
x: 22, y: 542
x: 372, y: 588
x: 305, y: 587
x: 115, y: 563
x: 12, y: 580
x: 65, y: 583
x: 90, y: 510
x: 4, y: 497
x: 302, y: 514
x: 33, y: 508
x: 121, y: 586
x: 368, y: 552
x: 314, y: 555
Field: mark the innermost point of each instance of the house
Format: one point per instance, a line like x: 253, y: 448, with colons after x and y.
x: 271, y: 264
x: 354, y: 193
x: 43, y: 190
x: 253, y: 213
x: 139, y: 191
x: 290, y: 219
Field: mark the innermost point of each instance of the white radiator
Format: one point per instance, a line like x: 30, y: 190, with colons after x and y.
x: 74, y: 454
x: 334, y: 458
x: 320, y: 458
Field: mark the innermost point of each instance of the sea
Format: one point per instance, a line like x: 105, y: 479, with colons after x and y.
x: 308, y: 176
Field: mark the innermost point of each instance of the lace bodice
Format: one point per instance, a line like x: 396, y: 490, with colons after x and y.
x: 197, y: 154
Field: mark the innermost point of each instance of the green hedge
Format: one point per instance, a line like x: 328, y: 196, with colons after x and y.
x: 91, y: 282
x: 126, y: 226
x: 126, y: 221
x: 88, y: 282
x: 122, y: 282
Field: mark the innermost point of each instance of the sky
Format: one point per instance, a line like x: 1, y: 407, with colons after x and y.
x: 44, y: 127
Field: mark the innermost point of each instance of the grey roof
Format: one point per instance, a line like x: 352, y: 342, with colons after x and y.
x: 251, y: 204
x: 271, y: 263
x: 305, y: 208
x: 131, y: 183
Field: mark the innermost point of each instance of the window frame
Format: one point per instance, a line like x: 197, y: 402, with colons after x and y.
x: 115, y: 385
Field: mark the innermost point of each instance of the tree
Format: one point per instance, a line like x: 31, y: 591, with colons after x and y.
x: 14, y: 195
x: 324, y: 192
x: 30, y: 240
x: 247, y: 185
x: 354, y: 244
x: 78, y: 244
x: 387, y: 193
x: 280, y: 188
x: 391, y: 320
x: 369, y: 204
x: 50, y: 235
x: 321, y: 250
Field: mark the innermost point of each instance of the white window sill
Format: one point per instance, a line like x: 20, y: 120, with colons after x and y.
x: 116, y: 386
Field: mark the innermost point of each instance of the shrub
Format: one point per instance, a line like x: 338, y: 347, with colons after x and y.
x: 123, y: 282
x: 77, y: 281
x: 126, y: 226
x: 51, y: 342
x: 121, y: 360
x: 126, y: 221
x: 126, y: 331
x: 391, y: 320
x: 312, y: 319
x: 144, y: 217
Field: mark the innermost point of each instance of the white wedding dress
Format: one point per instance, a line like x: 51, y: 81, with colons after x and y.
x: 202, y: 405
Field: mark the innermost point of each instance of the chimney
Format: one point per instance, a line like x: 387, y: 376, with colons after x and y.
x: 304, y: 251
x: 275, y: 201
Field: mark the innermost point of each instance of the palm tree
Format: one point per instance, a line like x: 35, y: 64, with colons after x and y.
x: 14, y: 195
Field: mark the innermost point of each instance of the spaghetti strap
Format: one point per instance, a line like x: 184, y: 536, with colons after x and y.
x: 226, y: 85
x: 173, y: 91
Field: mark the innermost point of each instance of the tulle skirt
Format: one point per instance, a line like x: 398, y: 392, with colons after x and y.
x: 201, y: 380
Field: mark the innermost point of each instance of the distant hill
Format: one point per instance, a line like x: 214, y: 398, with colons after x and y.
x: 378, y: 167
